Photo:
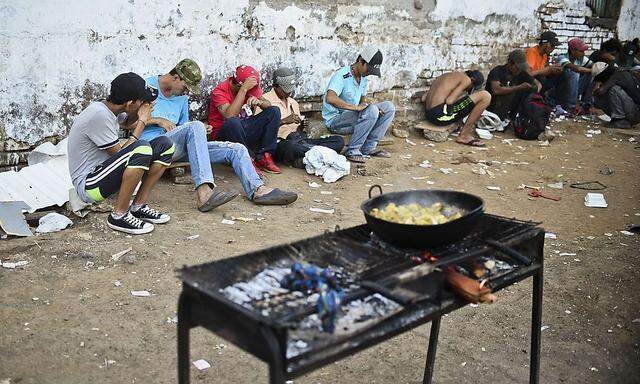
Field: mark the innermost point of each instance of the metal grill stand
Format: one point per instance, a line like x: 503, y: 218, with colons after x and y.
x: 200, y: 304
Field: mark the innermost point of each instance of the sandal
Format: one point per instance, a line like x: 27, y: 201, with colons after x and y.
x: 380, y: 153
x: 276, y: 197
x: 356, y: 158
x: 472, y: 143
x: 216, y: 199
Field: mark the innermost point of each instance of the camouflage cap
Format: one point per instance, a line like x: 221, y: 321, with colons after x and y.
x: 189, y: 71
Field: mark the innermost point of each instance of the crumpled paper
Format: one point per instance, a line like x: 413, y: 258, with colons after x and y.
x: 325, y: 162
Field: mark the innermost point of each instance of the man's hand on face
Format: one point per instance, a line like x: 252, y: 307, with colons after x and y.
x: 166, y: 125
x: 249, y: 83
x: 144, y: 112
x: 208, y: 129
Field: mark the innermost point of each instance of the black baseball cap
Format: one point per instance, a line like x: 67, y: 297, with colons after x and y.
x: 477, y: 79
x: 129, y: 87
x: 373, y: 57
x: 549, y: 37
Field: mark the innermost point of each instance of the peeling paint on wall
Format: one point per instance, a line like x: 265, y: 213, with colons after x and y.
x: 57, y: 56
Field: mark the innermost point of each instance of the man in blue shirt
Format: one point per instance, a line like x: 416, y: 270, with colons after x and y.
x: 170, y: 118
x: 345, y: 109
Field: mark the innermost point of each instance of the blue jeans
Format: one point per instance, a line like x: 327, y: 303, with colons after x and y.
x: 572, y: 86
x: 191, y: 143
x: 366, y: 127
x: 258, y: 132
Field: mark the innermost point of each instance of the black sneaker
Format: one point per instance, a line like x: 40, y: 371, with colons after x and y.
x: 129, y: 224
x: 150, y: 215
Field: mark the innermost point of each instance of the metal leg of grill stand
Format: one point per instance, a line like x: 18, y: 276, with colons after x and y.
x: 431, y: 351
x: 536, y: 322
x: 276, y: 367
x: 183, y: 340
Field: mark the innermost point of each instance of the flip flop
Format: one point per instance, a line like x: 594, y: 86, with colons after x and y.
x: 356, y: 158
x: 276, y: 197
x: 218, y: 198
x: 472, y: 143
x: 380, y: 153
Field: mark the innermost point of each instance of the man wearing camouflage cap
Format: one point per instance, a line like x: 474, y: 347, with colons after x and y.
x: 170, y: 118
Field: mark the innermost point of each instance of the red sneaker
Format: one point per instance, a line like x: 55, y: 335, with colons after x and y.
x: 266, y: 163
x: 255, y: 166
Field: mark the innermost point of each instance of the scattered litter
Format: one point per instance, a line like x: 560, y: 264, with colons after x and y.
x: 53, y: 222
x: 627, y: 233
x: 595, y: 200
x: 606, y: 171
x: 420, y: 177
x: 544, y: 327
x: 141, y: 293
x: 202, y: 364
x: 242, y: 219
x: 484, y: 134
x: 17, y: 264
x: 425, y: 164
x: 227, y: 221
x: 430, y: 182
x: 608, y: 234
x: 117, y: 256
x: 594, y: 369
x: 493, y: 188
x: 387, y: 185
x: 322, y: 210
x: 117, y: 283
x: 549, y: 235
x: 446, y: 171
x: 558, y: 185
x: 588, y: 135
x: 604, y: 118
x: 172, y: 320
x: 590, y: 237
x: 313, y: 184
x: 479, y: 171
x: 410, y: 142
x: 636, y: 320
x: 508, y: 141
x: 544, y: 143
x: 326, y: 193
x: 594, y: 131
x: 35, y: 298
x: 568, y: 312
x: 192, y: 237
x: 406, y: 156
x: 566, y: 254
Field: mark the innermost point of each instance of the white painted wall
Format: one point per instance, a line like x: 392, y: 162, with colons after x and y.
x: 629, y: 21
x: 48, y: 47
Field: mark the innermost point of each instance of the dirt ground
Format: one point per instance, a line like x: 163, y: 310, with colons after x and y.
x: 68, y: 316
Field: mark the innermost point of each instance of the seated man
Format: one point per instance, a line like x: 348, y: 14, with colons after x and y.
x: 231, y: 114
x: 618, y: 94
x: 451, y: 98
x: 508, y: 85
x: 293, y: 142
x: 170, y: 118
x: 575, y: 81
x: 538, y: 60
x: 346, y: 111
x: 100, y: 166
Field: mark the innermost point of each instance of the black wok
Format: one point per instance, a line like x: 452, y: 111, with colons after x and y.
x: 423, y: 236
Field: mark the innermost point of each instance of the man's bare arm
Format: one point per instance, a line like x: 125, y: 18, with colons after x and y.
x: 333, y: 99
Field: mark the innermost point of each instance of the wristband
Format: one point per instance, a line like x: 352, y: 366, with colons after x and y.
x: 135, y: 137
x: 143, y: 122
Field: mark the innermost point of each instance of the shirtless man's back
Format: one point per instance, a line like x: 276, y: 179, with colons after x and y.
x: 450, y: 99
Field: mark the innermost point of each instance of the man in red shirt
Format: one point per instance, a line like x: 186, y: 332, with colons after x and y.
x: 231, y: 114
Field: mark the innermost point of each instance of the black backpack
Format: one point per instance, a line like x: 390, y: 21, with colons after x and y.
x: 532, y: 117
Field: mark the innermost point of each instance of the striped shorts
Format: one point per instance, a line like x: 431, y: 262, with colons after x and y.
x: 105, y: 179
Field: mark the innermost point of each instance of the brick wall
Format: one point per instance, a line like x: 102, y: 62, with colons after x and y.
x: 569, y: 23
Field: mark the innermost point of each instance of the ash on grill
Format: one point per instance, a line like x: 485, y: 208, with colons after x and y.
x: 264, y: 292
x: 356, y: 315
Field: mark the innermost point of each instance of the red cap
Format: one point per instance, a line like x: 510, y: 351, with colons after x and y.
x: 578, y: 44
x: 245, y: 71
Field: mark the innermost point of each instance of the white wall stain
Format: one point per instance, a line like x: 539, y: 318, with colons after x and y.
x: 51, y: 46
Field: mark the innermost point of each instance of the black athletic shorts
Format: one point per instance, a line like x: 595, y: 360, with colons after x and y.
x: 105, y: 179
x: 444, y: 114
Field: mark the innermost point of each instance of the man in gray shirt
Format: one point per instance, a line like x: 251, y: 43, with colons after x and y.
x: 100, y: 165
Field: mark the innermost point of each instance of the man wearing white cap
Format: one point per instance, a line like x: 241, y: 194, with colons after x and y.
x: 293, y: 141
x: 618, y: 94
x: 345, y: 109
